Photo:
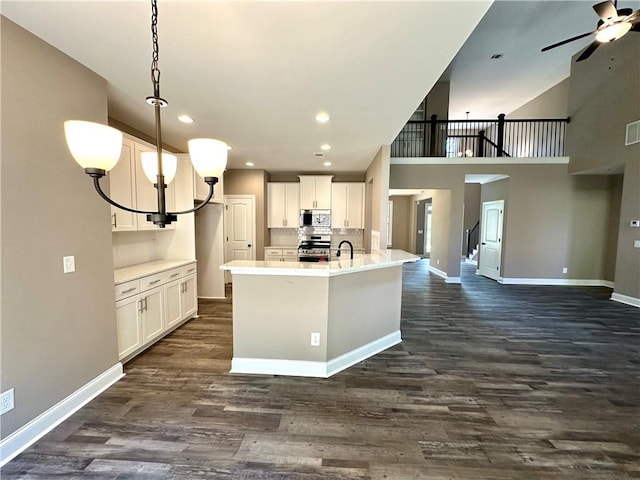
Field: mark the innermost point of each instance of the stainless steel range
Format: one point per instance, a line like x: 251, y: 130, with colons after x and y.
x: 314, y: 237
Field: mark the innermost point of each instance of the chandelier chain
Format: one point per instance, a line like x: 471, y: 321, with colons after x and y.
x: 155, y: 71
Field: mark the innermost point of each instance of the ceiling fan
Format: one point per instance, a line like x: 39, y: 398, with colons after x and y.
x: 613, y: 24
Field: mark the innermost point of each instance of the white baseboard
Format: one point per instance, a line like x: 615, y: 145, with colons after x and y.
x: 437, y: 272
x: 28, y: 434
x: 303, y: 368
x: 211, y: 298
x: 618, y: 297
x: 452, y: 280
x: 556, y: 281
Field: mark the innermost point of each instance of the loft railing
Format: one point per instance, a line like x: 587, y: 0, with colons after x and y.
x: 481, y: 138
x: 471, y: 240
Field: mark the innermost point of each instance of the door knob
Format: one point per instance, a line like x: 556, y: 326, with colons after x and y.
x: 483, y: 243
x: 249, y: 245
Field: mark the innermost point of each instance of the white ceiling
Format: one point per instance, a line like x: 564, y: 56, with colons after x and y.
x: 254, y: 74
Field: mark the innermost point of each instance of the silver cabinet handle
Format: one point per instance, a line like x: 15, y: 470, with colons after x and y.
x: 115, y: 220
x: 174, y: 275
x: 154, y: 282
x: 132, y: 289
x: 145, y: 303
x: 191, y: 270
x: 140, y: 308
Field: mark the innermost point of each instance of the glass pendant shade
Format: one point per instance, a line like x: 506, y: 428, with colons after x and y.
x: 150, y: 166
x: 93, y: 145
x: 208, y: 156
x: 613, y: 32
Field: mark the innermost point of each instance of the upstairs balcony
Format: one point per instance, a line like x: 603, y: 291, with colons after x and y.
x: 501, y: 137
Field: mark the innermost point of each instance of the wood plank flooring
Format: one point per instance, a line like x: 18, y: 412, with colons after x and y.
x: 495, y: 382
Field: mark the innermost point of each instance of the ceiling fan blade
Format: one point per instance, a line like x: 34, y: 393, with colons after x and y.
x: 633, y: 18
x: 606, y: 10
x: 636, y: 27
x: 577, y: 37
x: 589, y: 50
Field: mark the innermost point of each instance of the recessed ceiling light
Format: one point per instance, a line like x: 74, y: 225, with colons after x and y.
x: 327, y: 164
x: 325, y: 147
x: 185, y: 119
x: 249, y: 164
x: 322, y: 117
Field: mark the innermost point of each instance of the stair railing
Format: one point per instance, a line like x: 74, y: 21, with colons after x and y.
x: 473, y: 235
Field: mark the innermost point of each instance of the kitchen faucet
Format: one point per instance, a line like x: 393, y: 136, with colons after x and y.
x: 340, y: 246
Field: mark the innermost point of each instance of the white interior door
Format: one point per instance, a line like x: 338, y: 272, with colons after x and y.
x: 491, y: 238
x: 240, y: 227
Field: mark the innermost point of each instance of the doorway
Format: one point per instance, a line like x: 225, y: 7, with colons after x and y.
x: 239, y: 227
x: 491, y: 239
x: 423, y: 227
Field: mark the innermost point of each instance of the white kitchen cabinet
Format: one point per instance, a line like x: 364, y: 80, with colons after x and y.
x: 129, y: 325
x: 283, y: 205
x: 347, y: 205
x: 201, y: 189
x: 147, y: 194
x: 123, y: 189
x: 148, y: 307
x: 281, y: 254
x: 315, y: 191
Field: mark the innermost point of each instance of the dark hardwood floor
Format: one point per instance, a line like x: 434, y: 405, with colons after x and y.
x: 491, y: 382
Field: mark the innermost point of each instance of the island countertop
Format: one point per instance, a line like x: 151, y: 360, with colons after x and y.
x: 342, y: 266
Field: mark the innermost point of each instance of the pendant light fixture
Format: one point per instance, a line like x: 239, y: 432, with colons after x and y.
x: 97, y: 148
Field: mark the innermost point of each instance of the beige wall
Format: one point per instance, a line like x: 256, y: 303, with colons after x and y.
x: 251, y: 182
x: 58, y: 330
x: 401, y: 232
x: 554, y: 103
x: 604, y: 98
x: 543, y: 216
x: 378, y: 174
x: 437, y: 102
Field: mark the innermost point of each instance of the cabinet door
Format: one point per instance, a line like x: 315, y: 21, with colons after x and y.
x: 307, y: 192
x: 189, y: 297
x: 323, y: 192
x: 129, y: 325
x: 173, y: 302
x: 146, y: 193
x: 122, y: 189
x: 355, y: 205
x: 276, y: 201
x: 292, y: 205
x: 339, y: 205
x: 153, y: 323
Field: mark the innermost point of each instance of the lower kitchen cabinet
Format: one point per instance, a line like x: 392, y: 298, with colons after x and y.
x: 151, y: 306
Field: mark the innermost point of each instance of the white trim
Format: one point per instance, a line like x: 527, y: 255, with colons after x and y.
x: 480, y: 161
x: 452, y: 280
x: 211, y: 298
x: 618, y: 297
x: 556, y: 281
x: 304, y: 368
x: 437, y: 271
x: 28, y: 434
x: 348, y: 359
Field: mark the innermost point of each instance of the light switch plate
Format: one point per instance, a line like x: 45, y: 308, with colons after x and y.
x: 636, y: 243
x: 69, y: 264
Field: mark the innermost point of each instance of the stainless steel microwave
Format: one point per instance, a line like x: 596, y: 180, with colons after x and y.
x: 315, y: 218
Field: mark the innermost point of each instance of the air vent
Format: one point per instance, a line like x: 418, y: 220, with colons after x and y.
x: 318, y: 154
x: 633, y: 133
x: 496, y: 56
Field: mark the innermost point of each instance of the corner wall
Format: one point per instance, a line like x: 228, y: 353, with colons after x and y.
x: 378, y: 174
x: 58, y: 330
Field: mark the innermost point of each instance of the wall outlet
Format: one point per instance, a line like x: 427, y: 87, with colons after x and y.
x: 69, y: 264
x: 315, y: 339
x: 6, y: 401
x: 636, y: 244
x: 438, y: 261
x: 565, y: 270
x: 634, y: 223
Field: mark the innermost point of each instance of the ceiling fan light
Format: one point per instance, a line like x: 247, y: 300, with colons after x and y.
x: 150, y: 166
x: 208, y: 156
x: 93, y: 145
x: 613, y: 32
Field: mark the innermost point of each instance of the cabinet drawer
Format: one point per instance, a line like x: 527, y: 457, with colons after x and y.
x: 189, y: 269
x: 127, y: 289
x: 273, y: 258
x: 151, y: 281
x: 173, y: 274
x: 272, y: 252
x: 290, y: 252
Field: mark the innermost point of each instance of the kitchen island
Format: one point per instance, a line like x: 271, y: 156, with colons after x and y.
x: 315, y: 319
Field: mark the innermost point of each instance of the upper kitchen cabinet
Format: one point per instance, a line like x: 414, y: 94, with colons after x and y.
x: 146, y: 193
x: 122, y: 185
x: 283, y: 205
x: 315, y: 191
x: 347, y: 205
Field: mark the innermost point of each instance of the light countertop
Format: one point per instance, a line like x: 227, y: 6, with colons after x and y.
x: 388, y: 258
x: 133, y: 272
